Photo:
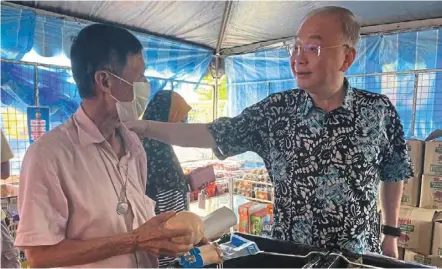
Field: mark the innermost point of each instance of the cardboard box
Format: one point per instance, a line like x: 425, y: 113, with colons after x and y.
x: 431, y: 192
x: 431, y: 260
x: 437, y: 236
x: 433, y: 158
x: 416, y: 152
x: 412, y: 191
x: 417, y: 229
x: 244, y: 212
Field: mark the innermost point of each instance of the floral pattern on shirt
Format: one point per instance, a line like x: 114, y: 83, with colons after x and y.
x: 326, y: 167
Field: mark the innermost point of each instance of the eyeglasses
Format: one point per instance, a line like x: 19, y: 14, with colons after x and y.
x: 310, y: 49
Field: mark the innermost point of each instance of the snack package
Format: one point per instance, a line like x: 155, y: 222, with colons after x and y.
x: 238, y: 247
x: 257, y: 221
x: 215, y: 254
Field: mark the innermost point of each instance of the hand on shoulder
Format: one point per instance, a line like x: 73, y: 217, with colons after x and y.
x: 137, y: 126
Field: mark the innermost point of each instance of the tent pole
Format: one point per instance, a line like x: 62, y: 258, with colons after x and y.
x: 222, y: 31
x: 223, y: 27
x: 216, y: 89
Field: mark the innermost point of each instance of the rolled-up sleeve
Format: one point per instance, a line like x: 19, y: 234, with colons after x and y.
x: 396, y: 164
x: 245, y: 132
x: 43, y: 207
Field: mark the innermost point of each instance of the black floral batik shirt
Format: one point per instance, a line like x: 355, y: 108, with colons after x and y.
x: 326, y: 167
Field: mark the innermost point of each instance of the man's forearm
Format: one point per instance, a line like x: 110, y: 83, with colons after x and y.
x: 391, y: 194
x: 180, y: 134
x: 79, y: 252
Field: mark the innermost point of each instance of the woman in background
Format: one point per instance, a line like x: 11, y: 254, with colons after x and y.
x: 166, y: 183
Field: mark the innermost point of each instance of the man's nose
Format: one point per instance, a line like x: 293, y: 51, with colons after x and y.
x: 300, y: 57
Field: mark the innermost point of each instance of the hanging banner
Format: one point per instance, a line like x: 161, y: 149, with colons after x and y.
x: 38, y: 122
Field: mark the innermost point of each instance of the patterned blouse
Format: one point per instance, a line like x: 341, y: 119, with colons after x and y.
x: 326, y: 167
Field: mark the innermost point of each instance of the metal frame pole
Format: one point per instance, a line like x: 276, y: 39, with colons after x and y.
x: 36, y: 91
x: 415, y: 93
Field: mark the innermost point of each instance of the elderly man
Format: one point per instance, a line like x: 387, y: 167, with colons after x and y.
x: 326, y: 145
x: 82, y: 188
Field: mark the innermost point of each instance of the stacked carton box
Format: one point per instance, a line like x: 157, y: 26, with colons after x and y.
x: 421, y: 239
x: 417, y: 229
x: 421, y: 235
x: 411, y: 192
x: 431, y: 189
x: 433, y: 158
x: 437, y: 237
x: 431, y: 260
x: 416, y: 152
x: 431, y: 193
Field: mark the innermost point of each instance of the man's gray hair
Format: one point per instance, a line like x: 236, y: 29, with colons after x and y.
x: 350, y: 26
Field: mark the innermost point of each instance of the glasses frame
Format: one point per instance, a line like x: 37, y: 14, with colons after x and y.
x: 291, y: 47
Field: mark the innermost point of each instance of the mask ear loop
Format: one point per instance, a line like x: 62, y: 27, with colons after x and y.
x: 125, y: 81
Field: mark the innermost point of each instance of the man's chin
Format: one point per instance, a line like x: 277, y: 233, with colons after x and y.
x: 303, y: 84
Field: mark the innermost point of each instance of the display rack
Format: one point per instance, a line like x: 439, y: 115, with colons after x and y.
x: 241, y: 188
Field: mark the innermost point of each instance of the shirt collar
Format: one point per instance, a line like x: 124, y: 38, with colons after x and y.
x: 88, y: 133
x: 307, y: 102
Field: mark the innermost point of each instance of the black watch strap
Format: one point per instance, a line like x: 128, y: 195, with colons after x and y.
x: 391, y: 231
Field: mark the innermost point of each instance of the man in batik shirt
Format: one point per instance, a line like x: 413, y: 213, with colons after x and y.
x: 326, y: 145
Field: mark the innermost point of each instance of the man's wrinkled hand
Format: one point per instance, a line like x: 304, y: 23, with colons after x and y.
x: 389, y: 247
x: 155, y: 238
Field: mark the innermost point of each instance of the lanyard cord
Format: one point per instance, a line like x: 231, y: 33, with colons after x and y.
x: 122, y: 195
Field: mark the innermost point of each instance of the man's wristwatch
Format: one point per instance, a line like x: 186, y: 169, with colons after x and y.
x: 391, y: 231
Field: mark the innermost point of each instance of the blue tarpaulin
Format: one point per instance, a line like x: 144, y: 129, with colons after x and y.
x: 24, y: 33
x: 27, y: 36
x: 251, y: 77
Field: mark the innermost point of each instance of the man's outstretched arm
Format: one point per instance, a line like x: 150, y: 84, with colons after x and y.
x: 179, y: 134
x: 226, y: 136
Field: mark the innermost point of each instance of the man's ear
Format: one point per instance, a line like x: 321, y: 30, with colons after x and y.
x: 102, y: 81
x: 350, y: 57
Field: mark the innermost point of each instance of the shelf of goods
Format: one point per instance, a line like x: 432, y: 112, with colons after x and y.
x: 9, y: 192
x: 254, y: 185
x: 244, y: 181
x: 9, y: 187
x: 246, y: 189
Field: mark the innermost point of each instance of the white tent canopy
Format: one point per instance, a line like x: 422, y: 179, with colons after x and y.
x: 231, y: 27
